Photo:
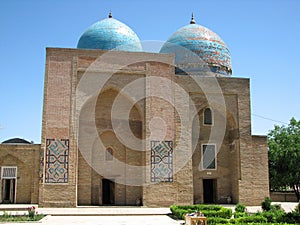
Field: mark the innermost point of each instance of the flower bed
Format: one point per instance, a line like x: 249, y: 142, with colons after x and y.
x: 31, y: 216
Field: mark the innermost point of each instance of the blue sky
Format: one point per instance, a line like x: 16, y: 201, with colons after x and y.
x: 262, y: 35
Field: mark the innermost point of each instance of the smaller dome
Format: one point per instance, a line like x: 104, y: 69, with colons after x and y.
x: 16, y: 141
x: 110, y: 34
x: 196, y: 47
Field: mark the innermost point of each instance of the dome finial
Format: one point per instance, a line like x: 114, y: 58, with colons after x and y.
x: 110, y: 14
x: 192, y: 20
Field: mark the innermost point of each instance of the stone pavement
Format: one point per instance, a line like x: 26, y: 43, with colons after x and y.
x: 104, y: 211
x: 111, y: 220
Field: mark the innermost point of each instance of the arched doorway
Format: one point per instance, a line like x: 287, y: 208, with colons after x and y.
x: 108, y: 176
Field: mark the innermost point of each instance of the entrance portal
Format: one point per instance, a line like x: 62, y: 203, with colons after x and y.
x: 108, y: 192
x: 209, y: 186
x: 8, y: 190
x: 8, y: 184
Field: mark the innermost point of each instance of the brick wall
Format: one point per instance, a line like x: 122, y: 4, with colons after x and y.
x: 242, y: 159
x: 26, y: 158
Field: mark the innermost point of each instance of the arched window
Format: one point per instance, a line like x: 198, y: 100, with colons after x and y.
x: 109, y: 154
x: 208, y: 118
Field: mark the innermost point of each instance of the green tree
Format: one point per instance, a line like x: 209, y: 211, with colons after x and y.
x: 284, y: 157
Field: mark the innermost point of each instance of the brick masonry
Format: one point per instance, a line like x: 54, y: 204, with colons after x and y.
x: 26, y: 158
x: 242, y: 163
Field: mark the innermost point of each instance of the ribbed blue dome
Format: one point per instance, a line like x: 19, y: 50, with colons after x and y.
x: 110, y: 34
x: 204, y: 44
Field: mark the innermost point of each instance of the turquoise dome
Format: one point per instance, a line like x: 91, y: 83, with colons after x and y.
x: 196, y: 46
x: 110, y: 34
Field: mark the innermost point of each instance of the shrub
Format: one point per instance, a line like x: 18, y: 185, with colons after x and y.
x: 216, y: 220
x: 251, y: 219
x: 266, y: 204
x: 201, y: 207
x: 240, y: 214
x: 5, y: 214
x: 276, y: 207
x: 240, y: 208
x: 275, y: 215
x: 179, y: 213
x: 207, y: 210
x: 222, y: 213
x: 291, y: 217
x: 296, y: 209
x: 209, y: 207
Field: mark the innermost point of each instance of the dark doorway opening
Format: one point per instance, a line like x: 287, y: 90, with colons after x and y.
x: 209, y: 189
x: 108, y: 192
x: 8, y: 190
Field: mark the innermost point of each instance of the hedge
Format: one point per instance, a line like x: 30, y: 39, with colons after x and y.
x: 216, y: 220
x: 240, y: 214
x: 221, y: 215
x: 207, y: 210
x: 249, y: 219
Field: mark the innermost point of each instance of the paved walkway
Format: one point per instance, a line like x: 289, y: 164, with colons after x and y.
x: 105, y: 211
x: 104, y: 220
x: 111, y: 220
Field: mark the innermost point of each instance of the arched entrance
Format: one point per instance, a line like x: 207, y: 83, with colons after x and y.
x: 107, y: 177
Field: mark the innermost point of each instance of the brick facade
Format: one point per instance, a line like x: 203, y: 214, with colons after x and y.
x: 159, y: 112
x: 26, y: 159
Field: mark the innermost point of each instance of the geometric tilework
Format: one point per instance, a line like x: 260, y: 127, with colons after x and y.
x: 57, y: 160
x: 161, y: 161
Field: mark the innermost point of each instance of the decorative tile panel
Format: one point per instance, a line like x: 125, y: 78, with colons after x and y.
x: 57, y: 161
x: 161, y: 161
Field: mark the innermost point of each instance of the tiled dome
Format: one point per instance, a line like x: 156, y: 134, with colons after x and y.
x: 110, y: 34
x: 204, y: 44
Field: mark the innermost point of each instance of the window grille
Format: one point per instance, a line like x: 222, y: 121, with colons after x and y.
x: 9, y: 172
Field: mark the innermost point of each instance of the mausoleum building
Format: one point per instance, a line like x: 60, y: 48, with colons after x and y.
x: 126, y: 127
